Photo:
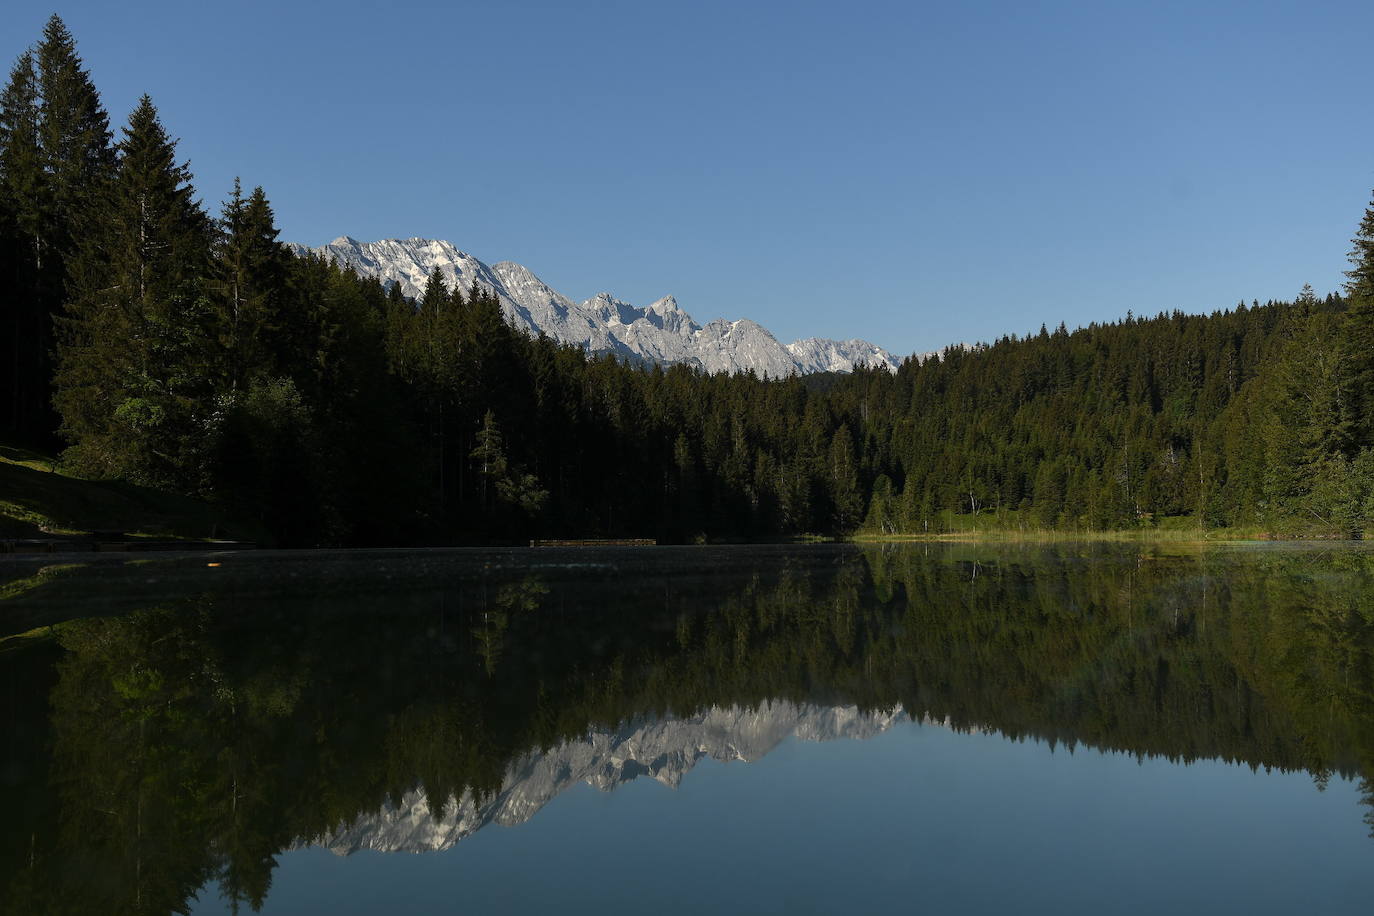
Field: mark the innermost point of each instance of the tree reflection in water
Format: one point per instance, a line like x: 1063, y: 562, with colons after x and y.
x: 194, y: 736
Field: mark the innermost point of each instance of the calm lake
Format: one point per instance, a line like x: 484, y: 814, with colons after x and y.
x: 1072, y: 728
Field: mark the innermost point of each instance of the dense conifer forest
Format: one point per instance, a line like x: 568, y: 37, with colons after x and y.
x: 157, y: 342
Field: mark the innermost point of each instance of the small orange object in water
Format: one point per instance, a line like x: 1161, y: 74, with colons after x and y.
x: 211, y: 564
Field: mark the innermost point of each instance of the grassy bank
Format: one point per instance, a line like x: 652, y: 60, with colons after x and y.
x: 39, y: 500
x: 1009, y: 527
x: 1189, y: 536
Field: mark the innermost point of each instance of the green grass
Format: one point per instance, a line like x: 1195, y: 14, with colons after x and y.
x: 47, y: 574
x: 1009, y: 527
x: 38, y: 500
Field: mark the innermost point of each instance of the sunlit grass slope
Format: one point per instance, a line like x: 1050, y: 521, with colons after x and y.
x: 38, y: 500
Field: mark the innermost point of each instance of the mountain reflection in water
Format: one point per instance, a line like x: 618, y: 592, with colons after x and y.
x: 661, y: 749
x: 171, y: 727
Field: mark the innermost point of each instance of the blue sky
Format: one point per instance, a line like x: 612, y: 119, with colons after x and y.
x: 910, y: 173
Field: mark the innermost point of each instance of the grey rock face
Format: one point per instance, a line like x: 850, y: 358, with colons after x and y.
x: 658, y: 333
x: 662, y: 749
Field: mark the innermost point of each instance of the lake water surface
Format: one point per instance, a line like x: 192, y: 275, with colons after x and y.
x: 818, y: 729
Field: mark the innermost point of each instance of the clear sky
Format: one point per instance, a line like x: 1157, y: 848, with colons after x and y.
x: 910, y: 173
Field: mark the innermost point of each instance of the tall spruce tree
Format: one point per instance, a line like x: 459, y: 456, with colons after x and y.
x: 75, y: 132
x: 137, y: 350
x: 24, y: 222
x: 254, y: 327
x: 433, y: 356
x: 1358, y: 336
x: 78, y: 163
x: 846, y: 499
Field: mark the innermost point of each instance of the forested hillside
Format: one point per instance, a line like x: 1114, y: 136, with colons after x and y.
x: 175, y: 348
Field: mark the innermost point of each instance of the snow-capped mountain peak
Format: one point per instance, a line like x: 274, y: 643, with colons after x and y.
x: 661, y: 332
x: 665, y: 305
x: 664, y: 749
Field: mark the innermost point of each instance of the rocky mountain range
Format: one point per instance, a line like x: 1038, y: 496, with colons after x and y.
x: 664, y: 749
x: 660, y: 332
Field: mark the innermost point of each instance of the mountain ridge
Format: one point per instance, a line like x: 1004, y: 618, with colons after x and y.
x: 661, y: 332
x: 664, y: 749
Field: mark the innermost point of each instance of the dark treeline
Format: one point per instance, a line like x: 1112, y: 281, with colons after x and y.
x: 189, y: 351
x: 157, y: 750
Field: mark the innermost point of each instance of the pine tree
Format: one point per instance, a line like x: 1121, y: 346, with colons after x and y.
x: 24, y: 223
x: 435, y: 295
x: 136, y: 358
x: 21, y: 160
x: 55, y: 142
x: 485, y: 341
x: 256, y: 335
x: 400, y: 314
x: 1358, y: 336
x: 910, y: 519
x: 500, y: 484
x: 845, y: 498
x: 687, y: 485
x: 489, y: 462
x: 75, y: 132
x: 433, y: 361
x: 883, y: 507
x: 1360, y: 278
x: 1306, y: 422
